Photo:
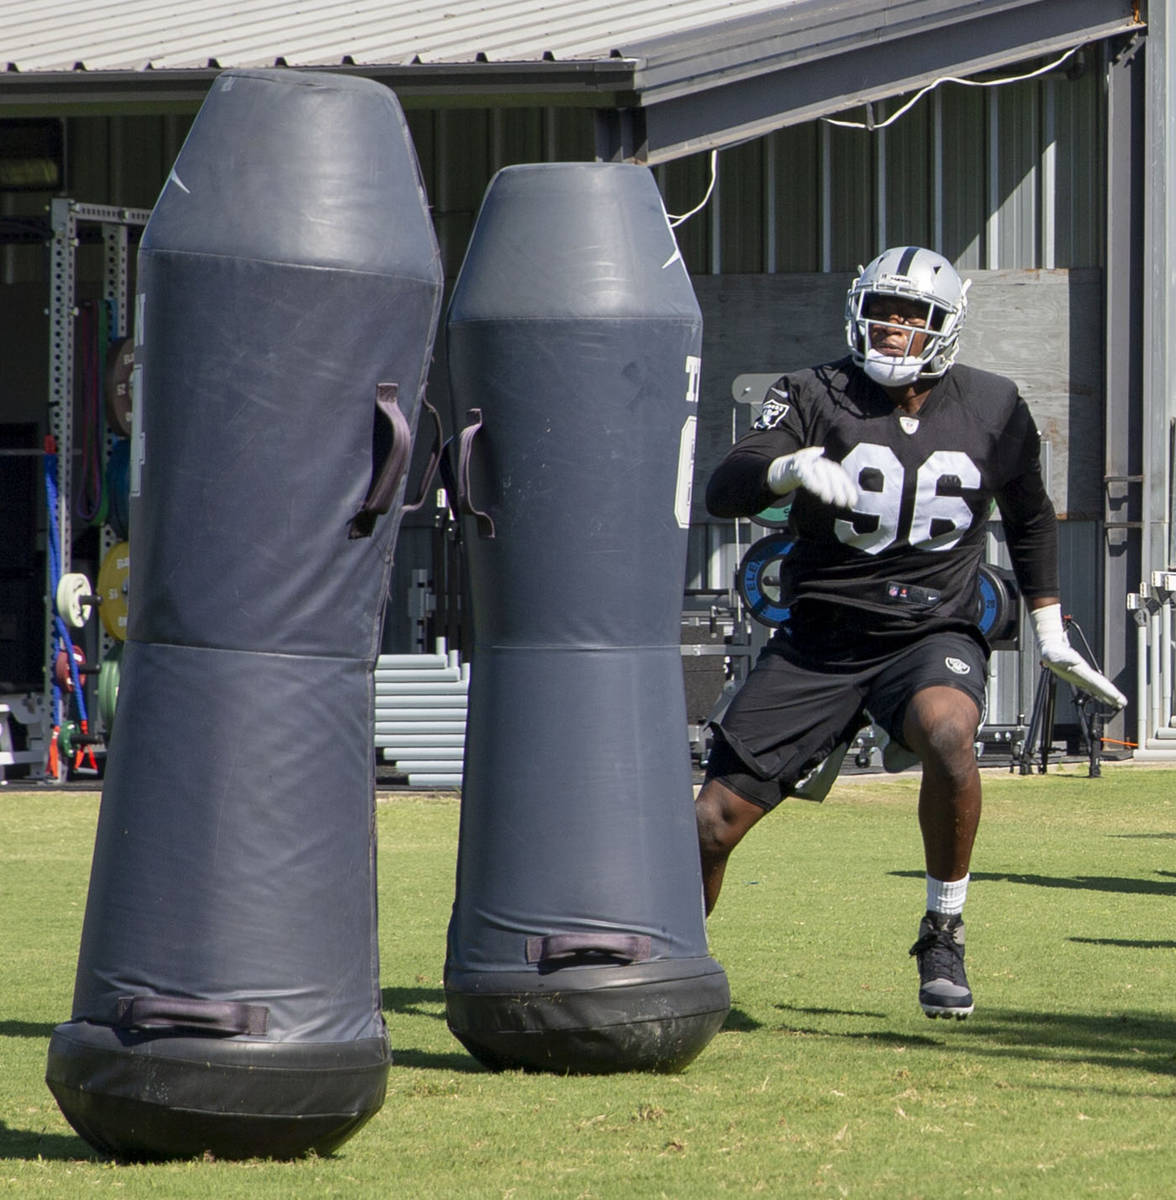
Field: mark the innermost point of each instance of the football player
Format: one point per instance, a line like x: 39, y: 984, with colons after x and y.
x: 893, y: 457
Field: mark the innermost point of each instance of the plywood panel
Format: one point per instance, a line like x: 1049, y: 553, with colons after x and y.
x: 1040, y: 328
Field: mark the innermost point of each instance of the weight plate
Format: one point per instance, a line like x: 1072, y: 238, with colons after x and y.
x: 120, y: 362
x: 65, y: 739
x: 71, y: 588
x: 997, y: 612
x: 775, y: 516
x: 108, y: 686
x: 61, y: 671
x: 114, y: 581
x: 762, y: 579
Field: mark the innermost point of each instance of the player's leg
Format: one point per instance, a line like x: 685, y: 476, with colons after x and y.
x: 940, y: 726
x: 784, y: 720
x: 943, y: 684
x: 723, y: 818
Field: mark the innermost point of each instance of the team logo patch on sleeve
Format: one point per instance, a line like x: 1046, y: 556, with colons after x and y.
x: 775, y: 409
x: 957, y: 665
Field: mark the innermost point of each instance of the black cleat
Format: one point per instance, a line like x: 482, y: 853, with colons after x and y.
x: 943, y: 985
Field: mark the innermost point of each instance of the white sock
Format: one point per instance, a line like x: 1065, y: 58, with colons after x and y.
x: 947, y: 897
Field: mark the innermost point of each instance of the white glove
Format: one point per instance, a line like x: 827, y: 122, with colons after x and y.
x: 811, y: 470
x: 1065, y: 662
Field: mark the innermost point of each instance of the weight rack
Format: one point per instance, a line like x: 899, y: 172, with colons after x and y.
x: 66, y: 216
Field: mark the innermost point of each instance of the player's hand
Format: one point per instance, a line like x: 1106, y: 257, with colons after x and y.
x: 1065, y: 662
x: 810, y: 469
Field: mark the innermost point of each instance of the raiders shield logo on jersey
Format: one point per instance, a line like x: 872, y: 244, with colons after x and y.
x: 774, y: 410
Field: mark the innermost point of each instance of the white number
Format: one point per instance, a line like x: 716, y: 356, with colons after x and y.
x: 878, y: 475
x: 951, y: 512
x: 937, y: 522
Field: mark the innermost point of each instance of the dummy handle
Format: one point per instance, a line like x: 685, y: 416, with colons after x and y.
x: 430, y: 466
x: 465, y: 444
x: 185, y: 1012
x: 560, y: 948
x: 387, y: 476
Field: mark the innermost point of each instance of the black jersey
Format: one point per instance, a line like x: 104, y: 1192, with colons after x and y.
x: 906, y: 559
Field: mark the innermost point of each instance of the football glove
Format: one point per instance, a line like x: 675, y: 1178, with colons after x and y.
x: 1065, y: 662
x: 810, y: 469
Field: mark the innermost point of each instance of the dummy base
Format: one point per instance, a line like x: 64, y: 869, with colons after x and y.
x: 139, y: 1096
x: 655, y: 1016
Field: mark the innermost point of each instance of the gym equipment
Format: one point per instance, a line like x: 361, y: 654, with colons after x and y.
x: 73, y: 738
x: 762, y: 578
x: 74, y: 598
x: 114, y: 585
x: 577, y: 940
x: 116, y: 391
x: 227, y: 995
x: 775, y: 516
x: 71, y: 412
x: 109, y: 678
x: 64, y: 672
x: 69, y: 591
x: 999, y: 607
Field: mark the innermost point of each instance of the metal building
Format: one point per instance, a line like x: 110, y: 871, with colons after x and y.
x: 1029, y: 140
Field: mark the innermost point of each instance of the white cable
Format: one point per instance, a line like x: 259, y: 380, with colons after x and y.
x: 951, y: 79
x: 675, y: 221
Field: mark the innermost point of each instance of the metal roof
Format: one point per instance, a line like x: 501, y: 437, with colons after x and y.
x: 667, y: 79
x: 138, y: 35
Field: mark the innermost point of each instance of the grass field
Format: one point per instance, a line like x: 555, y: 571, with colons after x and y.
x: 826, y: 1080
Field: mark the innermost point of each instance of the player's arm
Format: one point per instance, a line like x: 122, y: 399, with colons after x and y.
x: 738, y: 486
x: 1062, y: 659
x: 1031, y: 530
x: 773, y: 461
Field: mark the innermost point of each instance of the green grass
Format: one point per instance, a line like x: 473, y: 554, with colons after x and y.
x: 826, y: 1080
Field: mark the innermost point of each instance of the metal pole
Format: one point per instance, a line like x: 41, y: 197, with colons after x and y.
x: 1124, y: 357
x: 1141, y: 685
x: 1160, y: 313
x: 62, y: 311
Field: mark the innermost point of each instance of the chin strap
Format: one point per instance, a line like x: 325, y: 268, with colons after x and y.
x: 892, y: 372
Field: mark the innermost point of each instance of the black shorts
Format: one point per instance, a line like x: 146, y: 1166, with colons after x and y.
x: 788, y: 716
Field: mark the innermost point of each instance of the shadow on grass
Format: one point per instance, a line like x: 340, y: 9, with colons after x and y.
x: 31, y: 1144
x: 29, y: 1029
x: 414, y: 1002
x: 1131, y: 1040
x: 424, y: 1002
x: 1127, y: 943
x: 422, y: 1059
x: 830, y: 1012
x: 881, y: 1036
x: 1091, y: 883
x: 738, y: 1021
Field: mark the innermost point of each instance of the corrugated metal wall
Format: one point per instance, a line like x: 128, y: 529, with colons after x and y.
x: 1002, y: 177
